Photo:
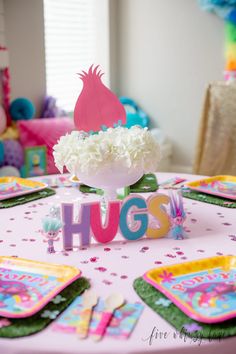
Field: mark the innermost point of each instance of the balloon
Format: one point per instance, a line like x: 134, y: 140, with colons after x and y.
x: 13, y: 153
x: 9, y: 171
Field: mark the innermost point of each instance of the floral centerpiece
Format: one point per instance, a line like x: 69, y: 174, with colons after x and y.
x: 110, y: 159
x: 115, y: 156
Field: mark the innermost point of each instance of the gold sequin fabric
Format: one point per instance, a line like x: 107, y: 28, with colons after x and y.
x: 216, y: 147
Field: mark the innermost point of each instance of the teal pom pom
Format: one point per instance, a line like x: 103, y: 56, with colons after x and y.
x: 1, y: 153
x: 22, y: 108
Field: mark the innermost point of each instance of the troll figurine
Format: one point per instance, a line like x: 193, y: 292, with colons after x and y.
x: 51, y: 228
x: 177, y: 215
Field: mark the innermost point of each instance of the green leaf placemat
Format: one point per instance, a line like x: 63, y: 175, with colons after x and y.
x: 8, y: 203
x: 146, y: 184
x: 207, y: 198
x: 86, y: 189
x: 21, y: 327
x: 172, y: 314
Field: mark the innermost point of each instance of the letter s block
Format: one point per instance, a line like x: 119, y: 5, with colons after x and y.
x: 155, y: 208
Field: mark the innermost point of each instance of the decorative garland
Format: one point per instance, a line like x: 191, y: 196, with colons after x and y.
x: 6, y: 90
x: 6, y: 93
x: 226, y: 9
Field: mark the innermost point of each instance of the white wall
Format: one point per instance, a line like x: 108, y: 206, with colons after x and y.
x: 2, y: 24
x: 168, y: 51
x: 25, y: 41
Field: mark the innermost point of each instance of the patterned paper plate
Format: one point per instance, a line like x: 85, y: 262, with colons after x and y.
x: 27, y: 286
x: 205, y: 289
x: 11, y: 187
x: 222, y: 186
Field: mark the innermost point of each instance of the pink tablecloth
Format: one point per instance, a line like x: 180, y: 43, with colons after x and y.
x: 211, y: 230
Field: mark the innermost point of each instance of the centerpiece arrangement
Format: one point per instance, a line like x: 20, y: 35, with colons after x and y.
x: 103, y: 153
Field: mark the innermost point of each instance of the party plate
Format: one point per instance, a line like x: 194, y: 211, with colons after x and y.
x: 204, y: 289
x: 11, y: 187
x: 27, y: 286
x: 222, y: 186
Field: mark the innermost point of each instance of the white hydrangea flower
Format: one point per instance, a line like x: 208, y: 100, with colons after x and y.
x: 134, y: 147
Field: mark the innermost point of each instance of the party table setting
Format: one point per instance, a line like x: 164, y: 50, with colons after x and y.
x: 113, y: 256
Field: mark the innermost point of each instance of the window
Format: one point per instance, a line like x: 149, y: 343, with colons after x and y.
x: 76, y: 36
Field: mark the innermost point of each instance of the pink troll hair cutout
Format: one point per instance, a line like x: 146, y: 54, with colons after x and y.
x: 97, y: 107
x: 176, y: 205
